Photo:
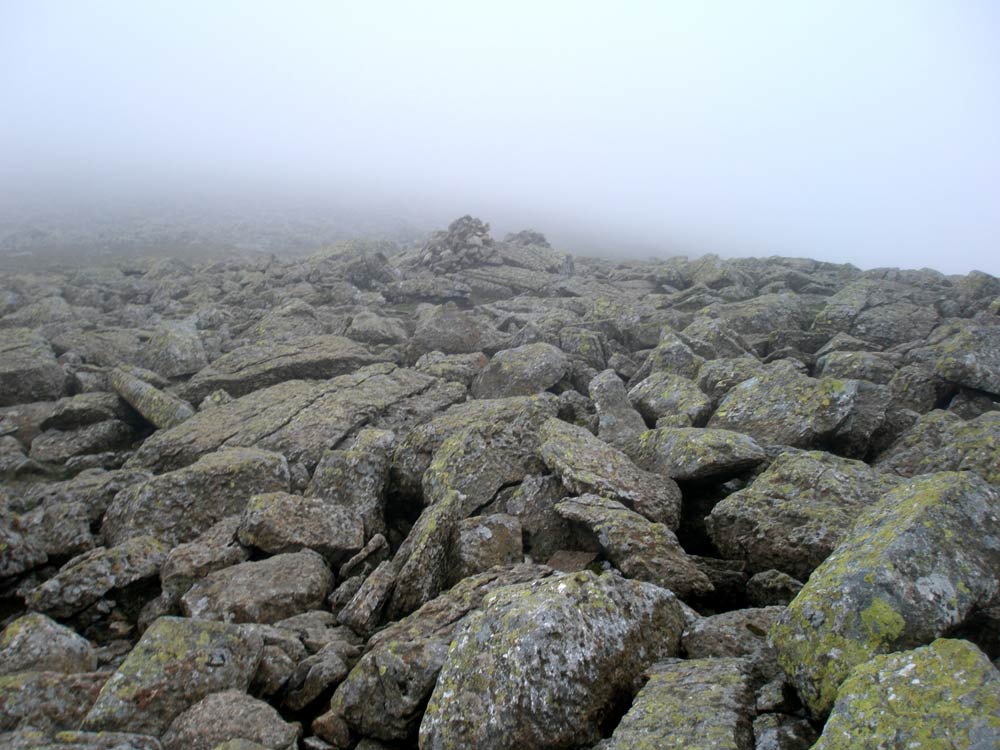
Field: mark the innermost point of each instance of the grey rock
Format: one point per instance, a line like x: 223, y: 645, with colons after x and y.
x: 619, y: 424
x: 29, y: 370
x: 485, y: 541
x: 49, y: 701
x: 278, y: 522
x: 671, y: 399
x: 227, y: 715
x: 212, y: 550
x: 35, y: 643
x: 521, y: 371
x: 161, y: 409
x: 689, y: 453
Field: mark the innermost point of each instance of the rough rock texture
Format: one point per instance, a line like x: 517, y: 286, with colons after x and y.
x: 794, y: 514
x: 690, y: 705
x: 907, y: 573
x: 279, y: 522
x: 542, y: 662
x: 670, y: 400
x: 521, y: 371
x: 34, y: 643
x: 175, y: 664
x: 686, y: 453
x: 29, y: 370
x: 618, y: 421
x: 47, y: 700
x: 161, y: 409
x: 943, y: 695
x: 228, y: 715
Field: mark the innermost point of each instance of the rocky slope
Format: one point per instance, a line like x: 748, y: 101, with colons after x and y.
x: 479, y: 493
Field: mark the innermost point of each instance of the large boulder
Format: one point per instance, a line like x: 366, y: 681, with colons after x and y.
x: 161, y: 409
x: 690, y: 453
x: 179, y: 505
x: 698, y: 704
x: 175, y: 664
x: 261, y: 591
x: 29, y: 370
x: 794, y: 514
x: 278, y: 522
x: 263, y: 364
x: 35, y: 643
x: 908, y: 572
x: 543, y: 663
x: 968, y: 354
x: 785, y: 407
x: 227, y: 715
x: 585, y: 464
x: 521, y: 371
x: 670, y: 400
x: 50, y: 701
x: 618, y: 421
x: 639, y: 548
x: 175, y: 349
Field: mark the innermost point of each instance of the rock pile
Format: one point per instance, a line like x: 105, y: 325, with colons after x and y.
x: 483, y: 495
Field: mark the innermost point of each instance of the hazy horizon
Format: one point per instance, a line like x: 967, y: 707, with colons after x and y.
x: 846, y: 132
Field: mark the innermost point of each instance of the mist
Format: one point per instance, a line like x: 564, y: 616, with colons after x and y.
x: 856, y: 132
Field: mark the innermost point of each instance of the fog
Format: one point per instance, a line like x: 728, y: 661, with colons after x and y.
x: 853, y: 132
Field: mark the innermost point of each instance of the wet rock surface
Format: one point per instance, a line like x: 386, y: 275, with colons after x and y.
x: 474, y: 492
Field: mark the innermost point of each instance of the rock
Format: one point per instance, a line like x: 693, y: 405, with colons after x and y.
x: 29, y: 370
x: 86, y: 578
x: 587, y: 465
x: 639, y: 548
x: 59, y: 446
x: 907, y: 573
x: 969, y: 355
x: 300, y: 419
x: 716, y: 377
x: 372, y: 329
x: 783, y: 407
x: 385, y: 693
x: 259, y: 365
x: 317, y: 674
x: 175, y: 349
x: 159, y: 408
x: 48, y: 701
x: 263, y: 591
x: 83, y: 409
x: 94, y: 489
x: 521, y: 371
x: 227, y: 715
x: 871, y: 366
x: 741, y: 632
x: 278, y: 522
x: 689, y: 453
x: 462, y: 368
x: 795, y: 513
x: 34, y: 643
x: 619, y: 424
x: 485, y: 541
x: 58, y: 530
x: 212, y: 550
x: 772, y: 587
x: 19, y: 551
x: 34, y: 739
x: 671, y: 399
x: 783, y: 732
x: 453, y: 331
x: 566, y: 647
x: 672, y: 356
x: 884, y: 313
x: 946, y: 694
x: 543, y: 530
x: 941, y: 441
x: 175, y: 664
x: 355, y: 480
x: 179, y: 505
x: 701, y: 703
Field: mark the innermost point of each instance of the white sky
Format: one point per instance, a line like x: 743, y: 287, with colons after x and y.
x: 863, y: 132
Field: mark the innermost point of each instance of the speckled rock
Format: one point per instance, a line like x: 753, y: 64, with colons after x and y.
x: 872, y: 366
x: 670, y: 400
x: 227, y: 715
x: 175, y: 664
x: 385, y: 693
x: 585, y: 464
x: 941, y: 441
x: 882, y: 312
x: 29, y: 370
x: 784, y: 407
x: 783, y: 732
x: 86, y: 578
x: 259, y: 365
x: 521, y: 371
x: 969, y: 355
x: 740, y: 632
x: 34, y: 643
x: 516, y: 653
x: 772, y: 587
x: 687, y: 453
x: 700, y: 704
x: 179, y: 505
x: 59, y: 446
x: 639, y: 548
x: 716, y: 377
x: 47, y: 700
x: 485, y: 541
x: 945, y: 695
x: 543, y: 530
x: 618, y: 421
x: 163, y: 410
x: 93, y: 488
x: 261, y: 591
x: 214, y: 549
x: 462, y: 368
x: 907, y: 573
x: 279, y: 522
x: 35, y: 739
x: 175, y: 349
x: 794, y: 514
x: 85, y: 408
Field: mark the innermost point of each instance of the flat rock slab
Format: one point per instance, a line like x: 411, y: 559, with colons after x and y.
x: 300, y: 419
x: 943, y: 695
x: 179, y: 505
x: 260, y: 365
x: 697, y: 704
x: 908, y: 572
x: 175, y: 664
x: 541, y: 663
x: 29, y: 370
x: 692, y: 453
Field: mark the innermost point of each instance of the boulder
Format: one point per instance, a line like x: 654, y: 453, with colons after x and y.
x: 29, y: 370
x: 694, y: 453
x: 795, y: 513
x: 585, y: 465
x: 619, y: 424
x: 542, y: 663
x: 59, y: 446
x: 969, y: 355
x: 179, y: 505
x: 161, y: 409
x: 278, y: 522
x: 50, y: 701
x: 485, y: 541
x: 908, y: 572
x: 175, y: 664
x: 35, y: 643
x: 639, y: 548
x: 228, y: 715
x: 946, y: 694
x: 262, y: 591
x: 212, y: 550
x: 521, y: 371
x: 174, y: 349
x: 740, y: 632
x: 670, y: 400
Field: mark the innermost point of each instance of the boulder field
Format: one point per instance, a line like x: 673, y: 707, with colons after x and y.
x: 480, y: 493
